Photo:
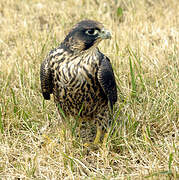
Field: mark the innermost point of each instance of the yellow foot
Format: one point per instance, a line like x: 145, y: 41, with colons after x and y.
x: 47, y: 139
x: 98, y: 135
x: 105, y: 139
x: 91, y: 146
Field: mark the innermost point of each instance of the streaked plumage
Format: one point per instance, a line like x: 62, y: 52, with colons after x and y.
x: 78, y: 75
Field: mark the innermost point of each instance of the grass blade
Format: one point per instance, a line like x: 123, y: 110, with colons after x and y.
x: 170, y: 161
x: 132, y: 78
x: 1, y: 123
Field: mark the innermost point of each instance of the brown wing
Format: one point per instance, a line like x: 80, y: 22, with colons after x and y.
x: 107, y: 80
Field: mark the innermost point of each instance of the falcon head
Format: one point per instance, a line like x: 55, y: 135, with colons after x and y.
x: 85, y: 35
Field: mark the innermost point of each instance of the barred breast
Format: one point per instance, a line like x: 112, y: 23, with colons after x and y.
x: 76, y: 88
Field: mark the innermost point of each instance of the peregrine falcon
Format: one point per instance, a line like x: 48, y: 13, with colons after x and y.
x: 79, y: 76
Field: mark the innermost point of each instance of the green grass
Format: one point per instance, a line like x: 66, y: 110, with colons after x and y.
x: 143, y: 142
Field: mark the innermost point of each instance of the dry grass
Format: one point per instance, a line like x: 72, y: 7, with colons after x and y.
x: 144, y: 53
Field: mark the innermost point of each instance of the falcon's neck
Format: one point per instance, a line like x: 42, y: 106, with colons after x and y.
x: 76, y: 46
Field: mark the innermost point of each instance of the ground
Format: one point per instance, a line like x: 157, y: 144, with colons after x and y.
x: 145, y: 58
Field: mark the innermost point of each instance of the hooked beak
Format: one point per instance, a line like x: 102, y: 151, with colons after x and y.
x: 105, y: 34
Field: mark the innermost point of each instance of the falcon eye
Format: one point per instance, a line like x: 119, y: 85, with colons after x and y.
x: 91, y: 31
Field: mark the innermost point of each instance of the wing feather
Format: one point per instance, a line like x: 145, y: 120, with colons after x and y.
x: 46, y: 79
x: 107, y: 80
